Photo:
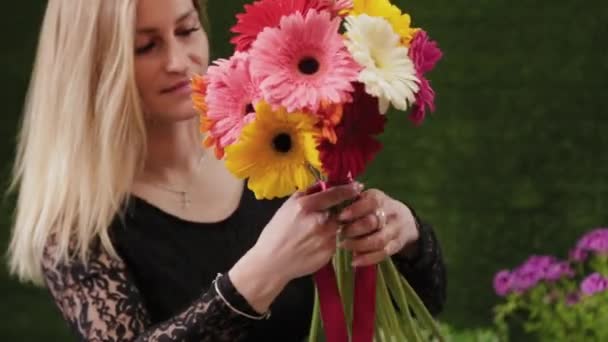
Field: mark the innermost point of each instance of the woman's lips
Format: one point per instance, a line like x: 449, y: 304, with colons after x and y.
x: 180, y: 87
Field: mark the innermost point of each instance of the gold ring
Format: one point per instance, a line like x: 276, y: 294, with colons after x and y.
x: 381, y: 216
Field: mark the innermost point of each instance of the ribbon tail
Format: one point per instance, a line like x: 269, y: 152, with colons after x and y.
x: 365, y: 304
x: 332, y: 311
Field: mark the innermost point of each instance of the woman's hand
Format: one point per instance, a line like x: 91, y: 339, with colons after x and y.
x: 301, y: 237
x: 377, y: 226
x: 298, y: 241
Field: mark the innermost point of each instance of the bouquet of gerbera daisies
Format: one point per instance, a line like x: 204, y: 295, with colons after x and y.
x: 302, y: 101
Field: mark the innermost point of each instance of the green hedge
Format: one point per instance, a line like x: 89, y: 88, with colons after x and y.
x: 512, y: 163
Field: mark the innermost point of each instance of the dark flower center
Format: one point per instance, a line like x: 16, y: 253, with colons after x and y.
x: 282, y: 142
x: 249, y: 108
x: 308, y: 65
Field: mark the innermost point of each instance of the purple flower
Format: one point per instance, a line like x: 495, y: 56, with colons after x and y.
x: 593, y: 284
x: 558, y: 270
x: 598, y: 243
x: 578, y: 254
x: 594, y: 241
x: 525, y: 278
x: 534, y: 270
x: 572, y: 298
x: 531, y: 272
x: 502, y: 283
x: 538, y: 262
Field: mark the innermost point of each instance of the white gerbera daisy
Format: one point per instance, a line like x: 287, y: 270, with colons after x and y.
x: 388, y: 72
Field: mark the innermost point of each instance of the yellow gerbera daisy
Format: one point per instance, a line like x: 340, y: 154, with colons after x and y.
x: 275, y: 152
x: 383, y: 8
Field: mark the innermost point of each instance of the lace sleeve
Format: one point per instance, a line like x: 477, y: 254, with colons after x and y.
x: 101, y: 303
x: 426, y: 271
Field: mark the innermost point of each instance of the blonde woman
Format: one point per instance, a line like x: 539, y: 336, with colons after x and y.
x: 138, y: 234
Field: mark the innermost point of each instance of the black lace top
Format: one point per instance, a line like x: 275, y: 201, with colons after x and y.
x: 162, y: 289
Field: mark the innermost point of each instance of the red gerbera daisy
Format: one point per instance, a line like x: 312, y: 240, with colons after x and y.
x: 268, y: 13
x: 356, y: 144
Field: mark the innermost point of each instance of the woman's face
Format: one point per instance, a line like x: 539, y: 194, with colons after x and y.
x: 170, y: 47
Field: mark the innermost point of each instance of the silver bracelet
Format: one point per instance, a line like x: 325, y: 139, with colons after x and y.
x: 266, y: 315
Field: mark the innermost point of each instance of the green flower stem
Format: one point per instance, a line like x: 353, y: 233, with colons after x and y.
x: 390, y: 324
x: 314, y: 172
x: 338, y: 265
x: 377, y: 335
x: 382, y: 321
x: 422, y: 314
x: 343, y: 281
x: 315, y: 325
x: 386, y: 307
x: 398, y: 293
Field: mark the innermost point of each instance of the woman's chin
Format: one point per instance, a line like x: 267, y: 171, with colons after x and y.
x: 177, y: 114
x: 183, y: 116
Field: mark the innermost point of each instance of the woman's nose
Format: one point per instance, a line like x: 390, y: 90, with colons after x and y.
x: 177, y: 60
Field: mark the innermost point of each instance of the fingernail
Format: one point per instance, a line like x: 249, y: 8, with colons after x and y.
x: 359, y: 186
x: 344, y: 215
x: 355, y: 263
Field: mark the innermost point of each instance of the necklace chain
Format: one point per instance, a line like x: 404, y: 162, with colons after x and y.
x: 183, y: 194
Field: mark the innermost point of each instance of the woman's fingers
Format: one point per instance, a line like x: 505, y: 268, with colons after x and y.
x: 368, y: 203
x: 376, y: 255
x: 361, y: 227
x: 368, y: 259
x: 374, y: 242
x: 331, y: 197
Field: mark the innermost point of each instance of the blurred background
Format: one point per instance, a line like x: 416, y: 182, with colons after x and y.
x: 514, y: 161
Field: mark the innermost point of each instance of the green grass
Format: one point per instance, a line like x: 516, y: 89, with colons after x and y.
x: 512, y: 163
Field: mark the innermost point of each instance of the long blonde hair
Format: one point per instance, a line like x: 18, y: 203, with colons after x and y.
x: 83, y: 136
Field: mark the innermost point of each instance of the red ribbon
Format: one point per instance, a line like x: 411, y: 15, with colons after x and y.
x: 365, y: 304
x: 332, y: 311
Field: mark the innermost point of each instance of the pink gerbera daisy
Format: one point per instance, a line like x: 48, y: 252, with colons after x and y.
x: 268, y: 13
x: 425, y: 54
x: 231, y: 93
x: 425, y: 98
x: 304, y: 62
x: 337, y: 6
